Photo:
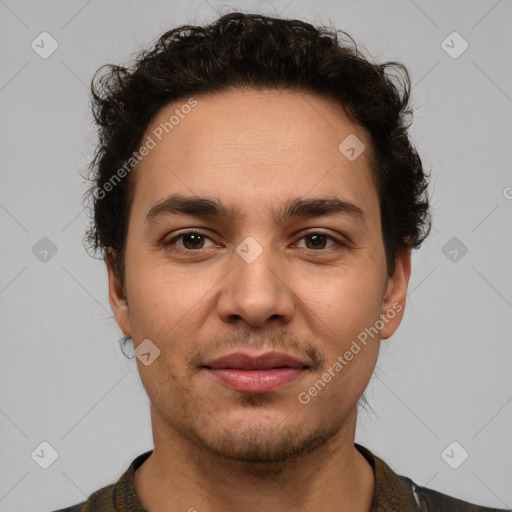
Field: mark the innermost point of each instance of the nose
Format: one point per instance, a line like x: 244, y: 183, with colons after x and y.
x: 256, y: 292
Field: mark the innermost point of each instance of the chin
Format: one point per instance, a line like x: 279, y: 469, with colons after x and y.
x: 265, y: 444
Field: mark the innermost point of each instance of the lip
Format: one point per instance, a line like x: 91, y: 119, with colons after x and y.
x: 256, y: 374
x: 246, y: 361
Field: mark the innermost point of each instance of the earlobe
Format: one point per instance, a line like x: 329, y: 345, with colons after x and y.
x: 395, y: 296
x: 117, y: 297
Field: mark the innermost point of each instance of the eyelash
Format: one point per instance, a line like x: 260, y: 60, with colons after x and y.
x: 170, y: 242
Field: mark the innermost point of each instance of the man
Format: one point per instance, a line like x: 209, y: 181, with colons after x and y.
x: 257, y: 199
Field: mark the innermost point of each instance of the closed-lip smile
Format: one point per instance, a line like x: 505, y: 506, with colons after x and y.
x: 263, y: 373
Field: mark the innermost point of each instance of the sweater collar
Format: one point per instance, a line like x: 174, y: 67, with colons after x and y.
x: 392, y: 492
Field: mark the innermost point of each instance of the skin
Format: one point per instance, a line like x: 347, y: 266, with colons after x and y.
x: 216, y: 449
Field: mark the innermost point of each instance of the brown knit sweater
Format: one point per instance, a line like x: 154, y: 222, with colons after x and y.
x: 393, y: 493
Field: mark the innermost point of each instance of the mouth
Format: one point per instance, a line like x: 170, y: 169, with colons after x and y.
x: 261, y: 374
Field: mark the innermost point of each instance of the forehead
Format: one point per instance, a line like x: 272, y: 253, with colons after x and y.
x: 254, y: 149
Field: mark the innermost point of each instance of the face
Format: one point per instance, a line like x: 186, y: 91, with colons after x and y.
x: 248, y: 274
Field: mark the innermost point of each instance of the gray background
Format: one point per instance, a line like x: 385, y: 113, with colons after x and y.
x: 445, y: 376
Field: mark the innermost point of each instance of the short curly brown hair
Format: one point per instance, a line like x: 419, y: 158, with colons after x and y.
x: 256, y: 51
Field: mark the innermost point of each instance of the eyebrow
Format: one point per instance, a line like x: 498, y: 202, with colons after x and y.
x: 213, y: 208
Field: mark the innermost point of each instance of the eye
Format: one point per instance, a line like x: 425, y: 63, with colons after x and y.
x: 319, y: 239
x: 192, y: 240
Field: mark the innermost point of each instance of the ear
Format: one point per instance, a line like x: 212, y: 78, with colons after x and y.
x: 116, y: 296
x: 395, y: 295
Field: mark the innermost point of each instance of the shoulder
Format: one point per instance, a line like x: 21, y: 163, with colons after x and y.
x: 115, y: 497
x: 398, y: 492
x: 435, y: 501
x: 99, y: 501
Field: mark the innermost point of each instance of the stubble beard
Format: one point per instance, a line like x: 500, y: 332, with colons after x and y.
x: 259, y: 448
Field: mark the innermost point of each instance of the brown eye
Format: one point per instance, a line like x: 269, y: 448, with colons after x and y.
x: 317, y: 241
x: 195, y: 240
x: 192, y: 240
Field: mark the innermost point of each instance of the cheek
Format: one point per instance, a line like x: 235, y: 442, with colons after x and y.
x: 344, y: 300
x: 167, y: 306
x: 163, y: 297
x: 344, y: 313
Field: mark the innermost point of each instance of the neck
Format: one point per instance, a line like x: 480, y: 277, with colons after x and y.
x: 179, y: 475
